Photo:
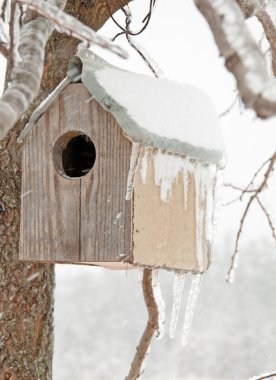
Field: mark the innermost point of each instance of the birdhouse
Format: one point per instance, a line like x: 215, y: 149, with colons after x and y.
x: 121, y: 168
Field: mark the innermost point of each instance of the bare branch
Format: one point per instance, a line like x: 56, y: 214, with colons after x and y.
x: 268, y: 217
x: 242, y: 55
x: 272, y: 159
x: 70, y: 25
x: 152, y: 326
x: 226, y: 112
x: 265, y: 376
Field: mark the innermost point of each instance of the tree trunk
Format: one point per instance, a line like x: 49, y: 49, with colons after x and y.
x: 26, y: 289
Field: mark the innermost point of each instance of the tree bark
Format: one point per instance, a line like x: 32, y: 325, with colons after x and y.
x: 26, y: 301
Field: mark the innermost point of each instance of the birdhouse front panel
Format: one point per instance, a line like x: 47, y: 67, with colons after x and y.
x: 74, y: 171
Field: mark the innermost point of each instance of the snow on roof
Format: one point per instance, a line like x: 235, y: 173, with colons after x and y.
x: 156, y: 112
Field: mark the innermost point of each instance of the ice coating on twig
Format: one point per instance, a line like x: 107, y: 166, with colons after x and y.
x: 134, y: 162
x: 190, y: 308
x: 160, y: 303
x: 178, y: 287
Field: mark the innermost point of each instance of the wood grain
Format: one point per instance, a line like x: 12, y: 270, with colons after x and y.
x: 105, y: 214
x: 75, y: 220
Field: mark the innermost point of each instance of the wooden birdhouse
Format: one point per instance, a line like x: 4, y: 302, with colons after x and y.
x: 120, y: 168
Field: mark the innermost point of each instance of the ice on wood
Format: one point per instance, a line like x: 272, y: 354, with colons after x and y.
x: 167, y: 169
x: 134, y: 161
x: 190, y: 308
x: 178, y: 286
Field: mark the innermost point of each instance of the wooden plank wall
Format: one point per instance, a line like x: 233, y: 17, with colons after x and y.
x: 75, y: 220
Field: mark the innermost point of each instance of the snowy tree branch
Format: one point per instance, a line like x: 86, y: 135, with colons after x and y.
x: 265, y: 11
x: 152, y: 326
x: 242, y: 55
x: 26, y: 75
x: 27, y: 72
x: 70, y: 25
x: 3, y: 49
x: 255, y: 196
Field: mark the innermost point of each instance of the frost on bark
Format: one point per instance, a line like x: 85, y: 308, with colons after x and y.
x: 241, y: 53
x: 26, y: 302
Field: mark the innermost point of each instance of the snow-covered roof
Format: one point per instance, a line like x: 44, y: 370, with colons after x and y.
x: 160, y: 113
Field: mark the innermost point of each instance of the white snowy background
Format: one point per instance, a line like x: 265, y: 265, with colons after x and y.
x: 100, y: 315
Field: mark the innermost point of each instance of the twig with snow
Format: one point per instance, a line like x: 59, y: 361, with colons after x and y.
x: 151, y: 328
x: 265, y: 11
x: 254, y: 196
x: 242, y: 55
x: 264, y: 376
x: 154, y: 68
x: 70, y: 25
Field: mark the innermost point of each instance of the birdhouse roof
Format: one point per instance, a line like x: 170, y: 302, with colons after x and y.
x: 160, y: 113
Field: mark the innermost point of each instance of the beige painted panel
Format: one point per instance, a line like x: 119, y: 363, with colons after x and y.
x: 164, y: 233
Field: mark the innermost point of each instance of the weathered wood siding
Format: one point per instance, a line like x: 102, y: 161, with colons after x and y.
x: 75, y: 220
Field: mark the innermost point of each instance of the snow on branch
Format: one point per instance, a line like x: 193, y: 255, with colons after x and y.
x: 241, y: 53
x: 27, y: 69
x: 265, y: 11
x: 26, y: 74
x: 266, y: 14
x: 256, y: 191
x: 65, y: 23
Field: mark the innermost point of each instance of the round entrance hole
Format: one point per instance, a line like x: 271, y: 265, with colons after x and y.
x: 74, y: 154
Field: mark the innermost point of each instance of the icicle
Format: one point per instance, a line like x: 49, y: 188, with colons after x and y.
x: 217, y: 198
x: 160, y: 304
x: 210, y: 180
x: 144, y: 165
x: 185, y: 186
x: 178, y: 286
x: 167, y: 167
x: 134, y: 162
x: 190, y: 308
x: 199, y: 206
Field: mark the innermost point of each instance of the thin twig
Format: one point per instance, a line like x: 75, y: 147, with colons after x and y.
x: 139, y: 49
x: 151, y: 328
x: 268, y: 217
x: 126, y: 30
x: 255, y: 175
x: 253, y: 197
x: 263, y: 377
x: 226, y: 112
x: 239, y: 198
